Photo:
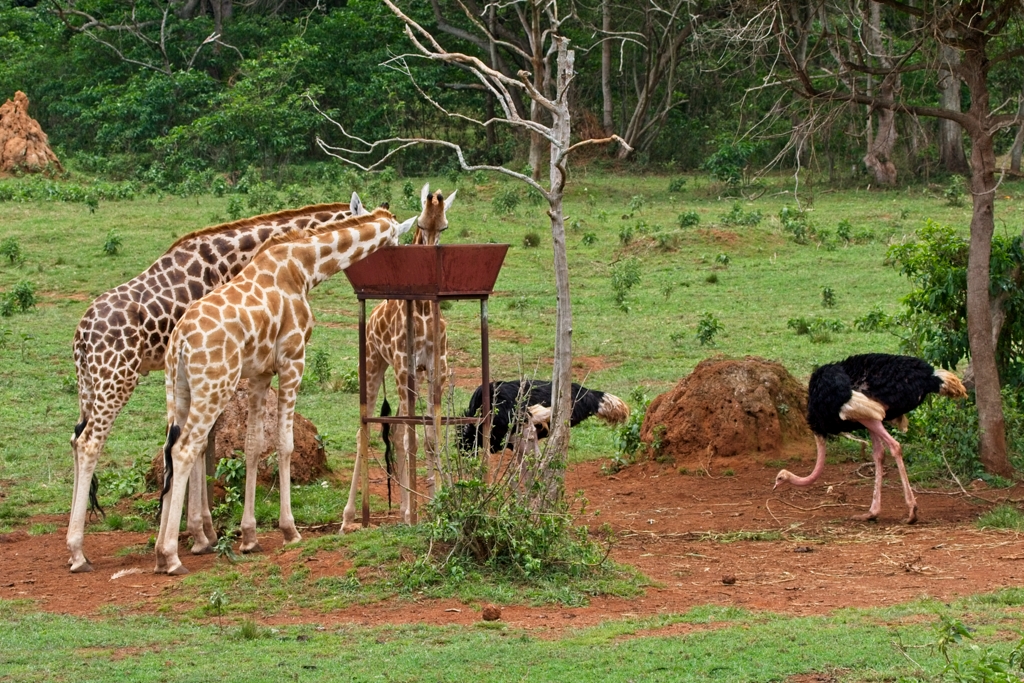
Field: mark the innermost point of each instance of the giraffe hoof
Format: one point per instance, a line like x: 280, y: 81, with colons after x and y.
x: 82, y: 568
x: 202, y: 549
x: 867, y: 517
x: 180, y: 570
x: 254, y: 548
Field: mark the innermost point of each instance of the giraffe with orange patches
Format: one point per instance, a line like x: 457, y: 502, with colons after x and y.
x: 386, y: 346
x: 255, y: 326
x: 124, y: 334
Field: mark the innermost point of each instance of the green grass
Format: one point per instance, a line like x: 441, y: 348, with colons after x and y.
x: 769, y: 280
x: 719, y: 643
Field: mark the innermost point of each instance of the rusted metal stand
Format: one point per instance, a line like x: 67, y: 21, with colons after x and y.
x: 424, y: 273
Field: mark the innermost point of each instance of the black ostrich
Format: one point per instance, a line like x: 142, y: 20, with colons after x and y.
x: 522, y: 414
x: 860, y: 393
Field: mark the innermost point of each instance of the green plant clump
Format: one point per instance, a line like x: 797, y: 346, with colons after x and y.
x: 688, y: 219
x: 625, y: 276
x: 708, y: 328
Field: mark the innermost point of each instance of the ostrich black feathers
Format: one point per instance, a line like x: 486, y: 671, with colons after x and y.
x: 509, y: 399
x: 898, y: 383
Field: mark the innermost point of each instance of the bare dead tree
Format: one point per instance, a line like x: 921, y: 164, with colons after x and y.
x: 145, y: 24
x: 557, y: 135
x: 840, y: 64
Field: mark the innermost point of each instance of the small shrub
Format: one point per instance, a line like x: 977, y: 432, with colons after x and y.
x: 799, y: 325
x: 531, y: 239
x: 627, y: 438
x: 11, y: 250
x: 874, y: 320
x: 828, y: 297
x: 667, y: 241
x: 112, y: 245
x: 625, y: 275
x: 589, y: 239
x: 729, y: 162
x: 235, y: 208
x: 795, y: 222
x: 347, y: 383
x: 626, y: 235
x: 708, y: 328
x: 319, y: 367
x: 737, y: 216
x: 954, y: 194
x: 636, y: 204
x: 688, y: 219
x: 844, y: 231
x: 711, y: 279
x: 722, y: 259
x: 506, y: 201
x: 677, y: 184
x: 24, y: 295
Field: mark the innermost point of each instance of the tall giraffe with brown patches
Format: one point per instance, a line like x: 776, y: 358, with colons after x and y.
x: 124, y: 334
x: 386, y: 346
x: 255, y: 326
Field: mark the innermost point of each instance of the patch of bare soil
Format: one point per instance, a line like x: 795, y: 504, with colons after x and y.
x: 23, y: 144
x: 693, y: 536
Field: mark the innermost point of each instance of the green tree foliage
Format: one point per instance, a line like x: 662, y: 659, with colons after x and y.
x: 935, y: 312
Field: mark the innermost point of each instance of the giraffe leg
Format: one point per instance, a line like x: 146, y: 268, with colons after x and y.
x: 877, y: 454
x: 375, y: 369
x: 254, y: 447
x: 897, y: 453
x: 405, y: 450
x: 184, y: 456
x: 201, y: 543
x: 86, y: 454
x: 288, y: 380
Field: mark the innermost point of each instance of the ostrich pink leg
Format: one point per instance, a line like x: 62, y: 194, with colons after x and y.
x: 883, y: 437
x: 877, y: 454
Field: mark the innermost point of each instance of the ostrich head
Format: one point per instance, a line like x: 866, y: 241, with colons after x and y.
x: 783, y: 476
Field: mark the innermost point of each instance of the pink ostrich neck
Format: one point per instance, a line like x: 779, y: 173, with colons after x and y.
x: 819, y: 466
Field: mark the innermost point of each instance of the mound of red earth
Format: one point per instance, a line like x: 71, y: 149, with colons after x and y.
x: 727, y: 407
x: 23, y: 144
x: 309, y: 459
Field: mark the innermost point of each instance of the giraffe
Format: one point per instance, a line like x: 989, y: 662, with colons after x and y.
x: 386, y: 346
x: 255, y: 326
x: 124, y: 334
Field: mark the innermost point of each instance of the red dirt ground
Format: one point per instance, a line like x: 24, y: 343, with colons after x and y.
x: 675, y: 528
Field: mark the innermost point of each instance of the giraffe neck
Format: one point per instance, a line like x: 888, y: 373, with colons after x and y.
x: 318, y: 257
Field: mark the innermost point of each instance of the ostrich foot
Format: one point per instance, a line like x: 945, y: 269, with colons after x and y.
x: 866, y: 517
x: 82, y: 567
x: 912, y: 515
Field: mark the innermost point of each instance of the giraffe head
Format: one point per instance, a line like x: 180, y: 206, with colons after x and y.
x: 433, y: 219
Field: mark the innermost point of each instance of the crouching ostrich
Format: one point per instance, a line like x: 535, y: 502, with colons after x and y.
x: 522, y: 414
x: 860, y: 393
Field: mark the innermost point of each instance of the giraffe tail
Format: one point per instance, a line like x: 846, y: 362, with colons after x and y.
x: 173, y: 432
x: 389, y: 454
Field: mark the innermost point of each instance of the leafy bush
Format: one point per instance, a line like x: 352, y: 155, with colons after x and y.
x: 589, y: 238
x: 844, y: 231
x: 122, y: 482
x: 531, y: 239
x: 21, y: 298
x: 506, y: 201
x: 625, y: 275
x: 954, y: 193
x: 319, y: 368
x: 729, y: 162
x: 10, y: 249
x: 113, y: 244
x: 737, y: 216
x: 627, y: 438
x: 796, y: 223
x: 677, y: 184
x: 636, y: 204
x: 874, y: 320
x: 688, y: 219
x: 828, y: 297
x: 708, y: 328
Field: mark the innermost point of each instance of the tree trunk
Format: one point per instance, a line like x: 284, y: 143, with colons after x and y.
x: 882, y: 142
x: 561, y: 373
x: 951, y: 143
x: 606, y: 67
x: 537, y: 141
x: 991, y: 425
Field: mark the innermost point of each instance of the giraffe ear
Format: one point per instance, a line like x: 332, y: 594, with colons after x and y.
x: 404, y: 226
x: 356, y: 206
x: 450, y: 200
x: 424, y: 193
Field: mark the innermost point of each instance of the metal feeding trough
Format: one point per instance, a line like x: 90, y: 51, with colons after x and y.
x: 424, y: 273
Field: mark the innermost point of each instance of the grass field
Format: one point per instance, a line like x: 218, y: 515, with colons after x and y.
x: 750, y: 276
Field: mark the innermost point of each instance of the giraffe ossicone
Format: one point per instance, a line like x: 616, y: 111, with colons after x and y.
x: 124, y: 333
x: 386, y: 347
x: 255, y: 326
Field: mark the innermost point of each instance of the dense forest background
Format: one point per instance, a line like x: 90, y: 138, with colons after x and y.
x: 169, y: 92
